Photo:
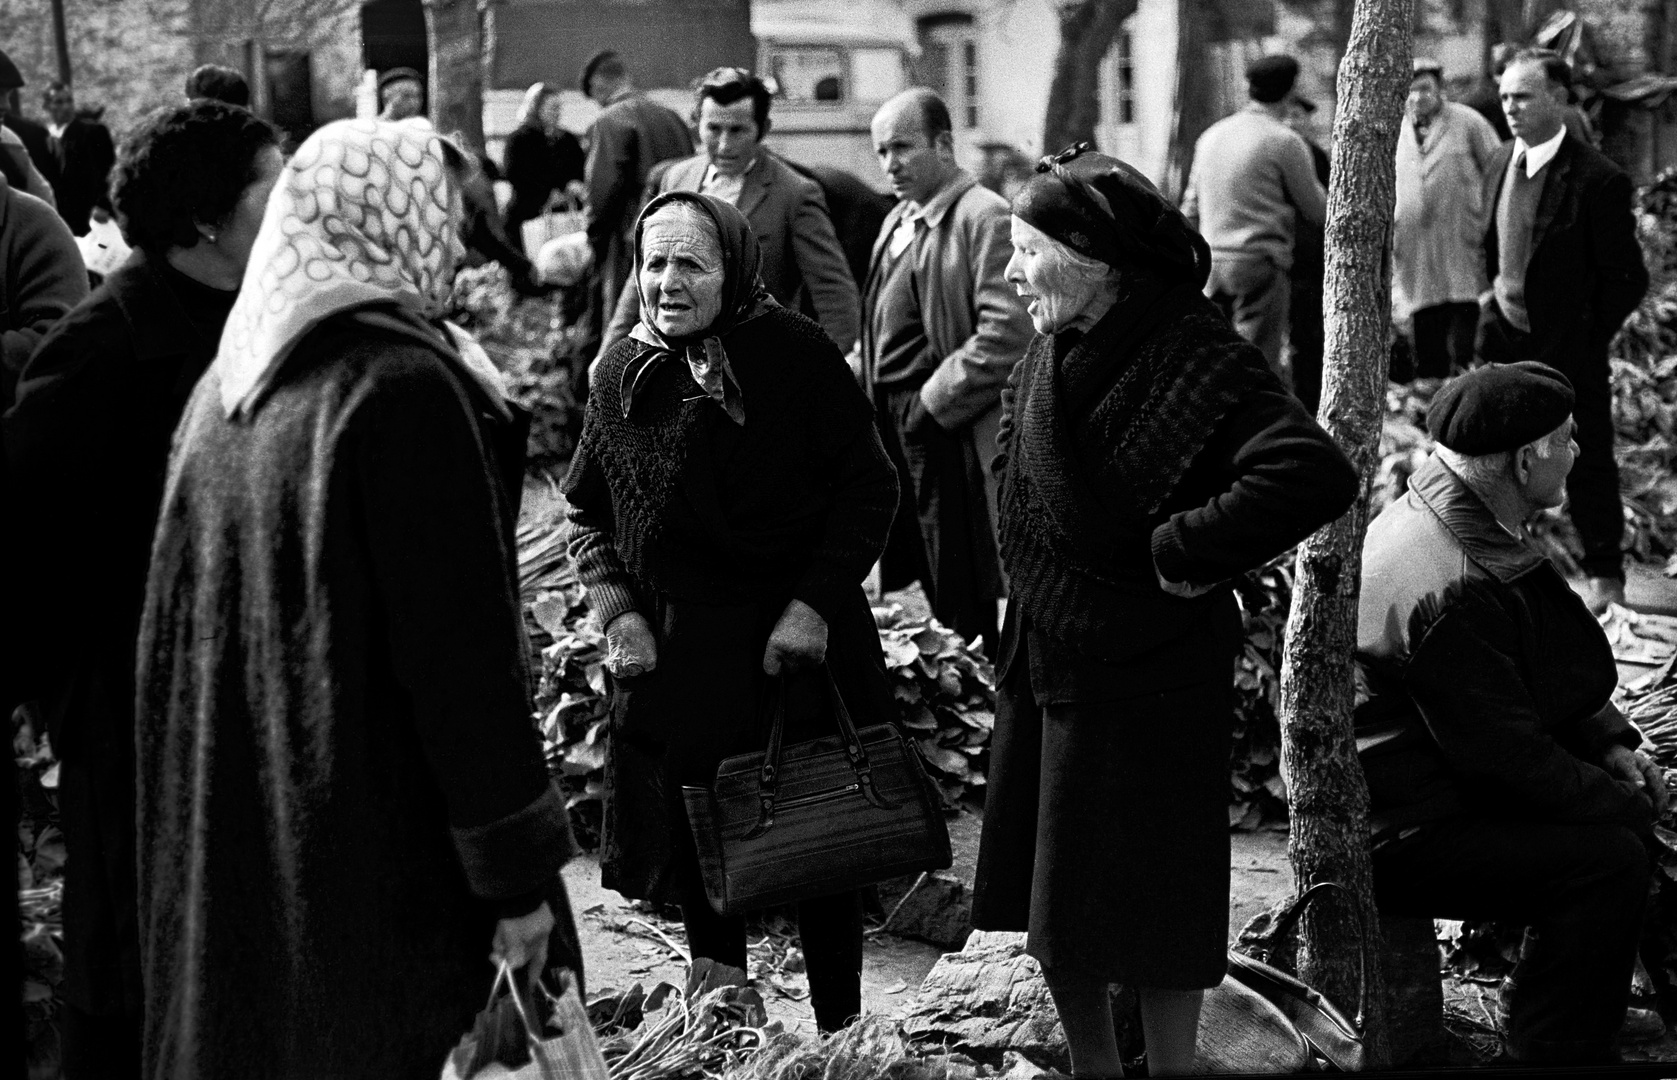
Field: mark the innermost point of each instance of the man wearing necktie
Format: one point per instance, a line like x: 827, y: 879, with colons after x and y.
x: 1565, y: 270
x: 941, y: 330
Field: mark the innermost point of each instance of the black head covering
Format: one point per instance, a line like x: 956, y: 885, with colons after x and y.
x: 1271, y: 78
x: 1500, y: 407
x: 744, y: 297
x: 1104, y: 209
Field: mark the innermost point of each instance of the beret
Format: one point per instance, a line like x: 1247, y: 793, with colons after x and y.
x: 1101, y: 207
x: 1271, y: 78
x: 1499, y: 407
x: 397, y: 74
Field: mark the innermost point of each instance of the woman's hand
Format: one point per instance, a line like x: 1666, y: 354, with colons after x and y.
x: 799, y: 640
x: 630, y: 647
x: 523, y: 940
x: 1637, y: 768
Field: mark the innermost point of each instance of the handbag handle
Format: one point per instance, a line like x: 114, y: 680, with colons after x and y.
x: 768, y: 777
x: 531, y: 1032
x: 1290, y: 916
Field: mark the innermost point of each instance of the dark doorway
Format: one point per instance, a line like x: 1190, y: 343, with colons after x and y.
x: 393, y: 35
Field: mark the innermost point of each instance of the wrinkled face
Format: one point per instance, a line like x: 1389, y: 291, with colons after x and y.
x: 1058, y: 291
x: 237, y: 235
x: 1425, y: 97
x: 402, y: 99
x: 61, y: 106
x: 915, y: 165
x: 730, y: 134
x: 1536, y: 107
x: 681, y: 272
x: 1545, y: 484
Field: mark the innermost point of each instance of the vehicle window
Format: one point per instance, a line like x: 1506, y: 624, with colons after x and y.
x: 809, y: 74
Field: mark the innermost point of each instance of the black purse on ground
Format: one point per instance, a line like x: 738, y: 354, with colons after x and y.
x: 815, y: 818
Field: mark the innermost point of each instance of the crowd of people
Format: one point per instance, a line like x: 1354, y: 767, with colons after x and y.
x: 287, y: 487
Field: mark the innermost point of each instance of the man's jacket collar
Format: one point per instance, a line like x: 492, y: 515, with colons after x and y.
x: 1470, y: 521
x: 938, y: 205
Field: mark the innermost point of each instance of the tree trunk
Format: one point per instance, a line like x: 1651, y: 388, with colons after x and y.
x: 1087, y: 30
x: 1327, y: 794
x: 456, y: 69
x: 1194, y: 105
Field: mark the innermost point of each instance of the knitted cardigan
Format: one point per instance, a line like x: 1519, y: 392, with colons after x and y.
x: 678, y: 500
x: 1101, y: 449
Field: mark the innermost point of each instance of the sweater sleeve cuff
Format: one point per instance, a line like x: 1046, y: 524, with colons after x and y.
x: 518, y: 853
x: 823, y: 593
x: 1169, y: 558
x: 1609, y: 727
x: 609, y: 599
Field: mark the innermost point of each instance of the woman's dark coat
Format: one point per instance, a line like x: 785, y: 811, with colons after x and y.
x: 1108, y: 784
x: 338, y: 774
x: 709, y: 529
x: 87, y: 444
x: 537, y: 164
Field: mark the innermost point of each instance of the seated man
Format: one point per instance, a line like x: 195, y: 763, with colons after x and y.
x: 1503, y: 783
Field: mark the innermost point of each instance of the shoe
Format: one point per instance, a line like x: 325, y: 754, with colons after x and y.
x: 1642, y: 1026
x: 1598, y: 592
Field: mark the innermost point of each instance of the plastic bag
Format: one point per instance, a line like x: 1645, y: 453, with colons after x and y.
x: 552, y: 223
x: 542, y: 1037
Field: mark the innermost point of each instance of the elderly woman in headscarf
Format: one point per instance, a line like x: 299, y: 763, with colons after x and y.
x: 540, y: 158
x: 345, y: 812
x: 1150, y: 457
x: 728, y: 496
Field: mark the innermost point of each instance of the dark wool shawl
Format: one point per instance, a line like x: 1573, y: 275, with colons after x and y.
x: 1096, y: 442
x: 679, y: 500
x: 338, y: 775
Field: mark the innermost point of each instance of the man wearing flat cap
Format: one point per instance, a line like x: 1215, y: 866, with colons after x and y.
x: 401, y: 94
x: 1251, y: 183
x: 1503, y: 783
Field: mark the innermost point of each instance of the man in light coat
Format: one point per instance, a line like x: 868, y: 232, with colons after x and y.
x: 1444, y: 153
x: 803, y: 265
x: 941, y: 330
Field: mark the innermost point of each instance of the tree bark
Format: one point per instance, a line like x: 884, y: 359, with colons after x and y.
x: 456, y: 69
x: 1087, y: 30
x: 1193, y: 111
x: 1327, y: 794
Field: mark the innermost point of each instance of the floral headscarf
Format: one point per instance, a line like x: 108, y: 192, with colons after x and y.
x: 364, y: 213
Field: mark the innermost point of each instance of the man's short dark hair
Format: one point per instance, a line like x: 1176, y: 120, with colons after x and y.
x: 605, y: 64
x: 218, y: 83
x: 183, y: 165
x: 728, y: 85
x: 57, y: 86
x: 1555, y: 67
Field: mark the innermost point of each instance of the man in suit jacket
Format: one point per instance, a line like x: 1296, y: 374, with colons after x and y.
x: 803, y: 265
x: 1566, y: 270
x: 941, y: 331
x: 631, y: 135
x: 85, y: 155
x: 36, y: 141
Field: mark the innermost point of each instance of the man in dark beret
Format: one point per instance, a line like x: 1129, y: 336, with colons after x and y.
x: 1503, y: 782
x: 1251, y: 185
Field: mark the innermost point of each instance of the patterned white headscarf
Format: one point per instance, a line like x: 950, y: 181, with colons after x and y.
x: 364, y: 212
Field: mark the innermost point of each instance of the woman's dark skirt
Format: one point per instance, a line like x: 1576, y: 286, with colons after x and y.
x: 1106, y: 833
x: 707, y: 700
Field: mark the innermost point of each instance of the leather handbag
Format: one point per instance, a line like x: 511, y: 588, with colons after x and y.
x: 817, y: 817
x: 1314, y: 1020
